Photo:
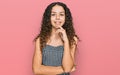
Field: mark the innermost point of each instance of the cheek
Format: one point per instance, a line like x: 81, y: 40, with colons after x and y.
x: 52, y: 19
x: 52, y: 22
x: 63, y: 19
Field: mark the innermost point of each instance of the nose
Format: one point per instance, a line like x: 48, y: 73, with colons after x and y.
x: 57, y: 17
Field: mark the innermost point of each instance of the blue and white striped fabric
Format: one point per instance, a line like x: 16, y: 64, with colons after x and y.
x: 52, y: 56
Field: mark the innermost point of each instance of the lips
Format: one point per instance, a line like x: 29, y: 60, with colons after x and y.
x: 57, y: 22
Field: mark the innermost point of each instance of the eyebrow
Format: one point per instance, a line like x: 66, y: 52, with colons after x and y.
x: 56, y: 12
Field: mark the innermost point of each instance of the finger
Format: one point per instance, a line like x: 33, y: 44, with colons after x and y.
x: 61, y: 28
x: 58, y: 31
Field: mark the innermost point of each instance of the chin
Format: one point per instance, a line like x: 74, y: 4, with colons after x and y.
x: 56, y: 26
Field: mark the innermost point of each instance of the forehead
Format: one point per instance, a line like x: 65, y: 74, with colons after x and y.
x: 57, y: 8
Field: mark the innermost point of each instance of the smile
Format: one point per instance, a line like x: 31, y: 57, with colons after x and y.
x: 57, y: 22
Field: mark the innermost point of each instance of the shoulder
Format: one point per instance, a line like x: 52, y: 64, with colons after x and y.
x: 74, y: 45
x: 75, y: 39
x: 37, y: 42
x: 37, y: 39
x: 37, y: 46
x: 75, y: 42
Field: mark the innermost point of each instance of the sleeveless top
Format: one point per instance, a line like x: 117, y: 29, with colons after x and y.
x: 52, y: 56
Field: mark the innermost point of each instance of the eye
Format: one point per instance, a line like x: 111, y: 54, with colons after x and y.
x: 52, y: 14
x: 61, y: 14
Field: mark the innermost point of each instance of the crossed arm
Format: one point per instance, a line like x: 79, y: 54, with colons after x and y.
x: 40, y: 69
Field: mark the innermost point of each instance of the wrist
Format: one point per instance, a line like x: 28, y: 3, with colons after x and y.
x: 66, y: 41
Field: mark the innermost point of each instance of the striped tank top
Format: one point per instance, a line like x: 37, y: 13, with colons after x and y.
x: 52, y: 56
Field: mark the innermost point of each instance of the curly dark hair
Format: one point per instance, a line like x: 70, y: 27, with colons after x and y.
x: 46, y: 26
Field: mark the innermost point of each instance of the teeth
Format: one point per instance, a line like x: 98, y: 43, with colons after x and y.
x: 57, y: 22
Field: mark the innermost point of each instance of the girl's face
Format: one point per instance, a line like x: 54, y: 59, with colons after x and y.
x: 57, y: 16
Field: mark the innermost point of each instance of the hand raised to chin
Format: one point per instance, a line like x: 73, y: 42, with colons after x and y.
x: 62, y: 33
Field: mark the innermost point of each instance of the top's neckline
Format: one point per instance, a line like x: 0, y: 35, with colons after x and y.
x: 54, y: 46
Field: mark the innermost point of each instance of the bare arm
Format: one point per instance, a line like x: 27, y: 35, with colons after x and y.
x: 37, y: 66
x: 68, y: 57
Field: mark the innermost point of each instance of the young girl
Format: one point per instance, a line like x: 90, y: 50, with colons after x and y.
x: 56, y: 43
